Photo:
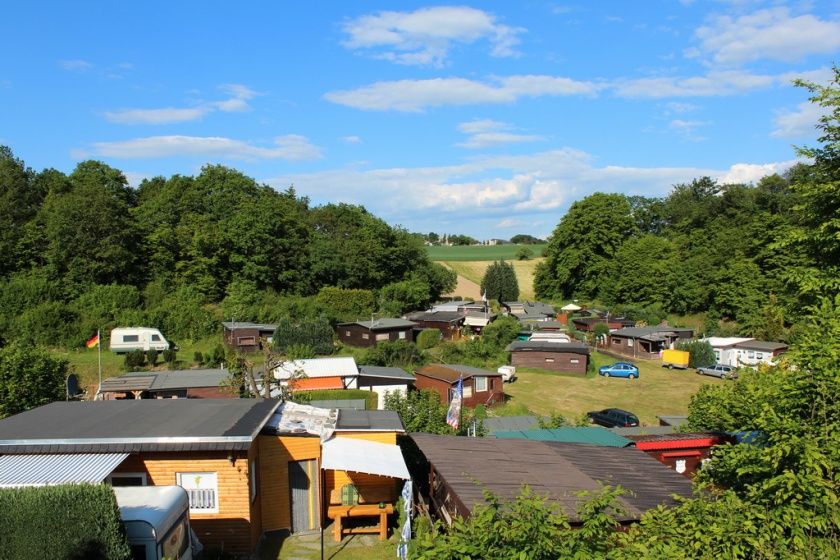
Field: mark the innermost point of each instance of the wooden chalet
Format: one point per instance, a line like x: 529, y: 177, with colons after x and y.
x: 247, y: 337
x: 449, y: 323
x: 479, y: 386
x: 175, y: 384
x: 646, y: 342
x: 571, y: 357
x: 370, y: 333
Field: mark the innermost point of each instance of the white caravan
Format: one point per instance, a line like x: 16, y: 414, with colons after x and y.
x: 157, y: 521
x: 128, y: 339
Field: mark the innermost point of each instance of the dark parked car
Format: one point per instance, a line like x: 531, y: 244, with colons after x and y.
x: 620, y: 369
x: 724, y: 372
x: 614, y: 418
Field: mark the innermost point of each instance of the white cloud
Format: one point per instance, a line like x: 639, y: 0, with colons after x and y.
x: 487, y: 139
x: 418, y: 95
x: 237, y: 102
x: 680, y: 108
x: 753, y: 172
x: 75, y: 65
x: 767, y: 34
x: 687, y: 129
x: 508, y: 223
x: 716, y: 83
x: 352, y: 139
x: 799, y: 123
x: 426, y: 35
x: 291, y: 147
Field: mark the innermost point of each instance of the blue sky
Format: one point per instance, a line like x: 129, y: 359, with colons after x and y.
x: 488, y: 118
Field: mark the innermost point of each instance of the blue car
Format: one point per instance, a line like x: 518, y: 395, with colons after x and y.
x: 620, y: 369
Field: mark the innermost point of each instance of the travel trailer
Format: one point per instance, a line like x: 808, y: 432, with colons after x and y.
x: 157, y: 521
x: 128, y: 339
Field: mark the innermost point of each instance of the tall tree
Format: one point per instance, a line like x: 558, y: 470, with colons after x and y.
x: 499, y: 282
x: 29, y: 377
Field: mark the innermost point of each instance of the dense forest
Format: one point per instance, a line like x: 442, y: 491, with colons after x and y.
x: 85, y: 251
x: 750, y: 256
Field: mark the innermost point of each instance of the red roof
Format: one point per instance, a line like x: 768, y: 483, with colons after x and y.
x: 680, y: 441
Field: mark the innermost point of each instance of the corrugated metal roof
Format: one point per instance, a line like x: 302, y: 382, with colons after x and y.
x: 43, y: 470
x: 344, y: 366
x: 590, y: 435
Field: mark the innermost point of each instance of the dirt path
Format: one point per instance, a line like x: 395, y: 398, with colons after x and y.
x: 465, y: 288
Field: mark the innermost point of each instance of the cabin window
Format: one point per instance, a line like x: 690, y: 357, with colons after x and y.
x: 155, y: 338
x: 629, y: 342
x: 131, y: 338
x: 549, y: 360
x: 480, y: 384
x: 759, y: 355
x: 346, y: 333
x: 176, y: 541
x: 365, y: 336
x: 468, y: 392
x: 751, y: 355
x: 402, y: 335
x: 246, y: 341
x: 127, y: 479
x: 574, y: 361
x: 203, y: 490
x: 382, y: 336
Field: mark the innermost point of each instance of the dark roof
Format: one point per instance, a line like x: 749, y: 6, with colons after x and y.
x: 233, y: 325
x: 451, y: 373
x: 639, y: 332
x: 547, y: 346
x: 369, y: 420
x: 762, y: 345
x: 136, y: 425
x: 127, y: 382
x: 673, y: 420
x: 382, y: 324
x: 436, y: 316
x: 469, y: 466
x: 510, y: 423
x: 165, y: 380
x: 642, y: 430
x: 535, y: 308
x: 385, y: 372
x: 592, y: 435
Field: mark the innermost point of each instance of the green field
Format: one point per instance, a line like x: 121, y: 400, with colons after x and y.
x: 658, y: 391
x: 480, y: 252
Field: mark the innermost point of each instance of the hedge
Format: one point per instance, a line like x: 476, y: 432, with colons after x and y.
x: 66, y: 522
x: 428, y: 338
x: 371, y: 398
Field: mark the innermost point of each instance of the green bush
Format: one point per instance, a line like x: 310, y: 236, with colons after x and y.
x: 371, y: 398
x: 135, y: 359
x: 216, y: 357
x: 428, y: 338
x: 67, y: 522
x: 152, y: 357
x: 315, y: 333
x: 198, y: 358
x: 701, y: 353
x: 169, y: 356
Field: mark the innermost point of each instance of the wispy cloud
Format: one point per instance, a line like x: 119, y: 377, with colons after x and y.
x: 75, y: 65
x: 352, y: 139
x: 485, y: 133
x: 798, y: 123
x: 687, y: 129
x: 237, y: 102
x: 773, y: 34
x: 291, y: 147
x: 425, y: 36
x: 418, y: 95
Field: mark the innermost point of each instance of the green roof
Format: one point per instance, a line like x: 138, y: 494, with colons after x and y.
x: 590, y: 435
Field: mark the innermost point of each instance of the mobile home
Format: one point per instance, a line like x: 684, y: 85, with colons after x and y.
x: 157, y: 521
x: 128, y: 339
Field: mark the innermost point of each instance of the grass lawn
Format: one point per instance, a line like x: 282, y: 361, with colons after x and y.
x: 474, y: 271
x: 308, y: 547
x: 84, y: 361
x: 480, y: 252
x: 658, y: 391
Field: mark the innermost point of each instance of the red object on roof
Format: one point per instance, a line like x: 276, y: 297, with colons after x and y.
x: 680, y: 441
x: 317, y: 383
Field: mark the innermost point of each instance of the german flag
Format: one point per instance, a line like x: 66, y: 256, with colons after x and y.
x: 93, y: 341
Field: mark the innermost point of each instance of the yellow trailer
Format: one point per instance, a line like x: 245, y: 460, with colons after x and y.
x: 675, y: 359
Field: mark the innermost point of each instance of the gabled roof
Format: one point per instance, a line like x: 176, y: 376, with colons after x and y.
x: 343, y: 366
x: 547, y: 346
x: 592, y: 435
x: 451, y: 373
x: 436, y: 316
x: 136, y: 425
x: 385, y: 373
x: 233, y: 325
x: 382, y: 324
x: 470, y: 466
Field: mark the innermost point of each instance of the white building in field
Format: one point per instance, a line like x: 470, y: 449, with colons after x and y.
x: 738, y: 352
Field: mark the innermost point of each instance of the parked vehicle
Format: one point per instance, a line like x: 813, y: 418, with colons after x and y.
x: 128, y: 339
x: 614, y: 418
x: 620, y: 369
x: 157, y: 522
x: 719, y: 370
x: 508, y: 373
x: 675, y: 359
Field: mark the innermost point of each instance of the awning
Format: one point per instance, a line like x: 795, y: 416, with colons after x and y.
x: 46, y: 470
x: 570, y: 307
x: 369, y: 457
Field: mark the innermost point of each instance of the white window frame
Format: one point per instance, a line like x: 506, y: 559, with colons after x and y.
x: 189, y: 477
x: 381, y: 337
x: 549, y: 360
x: 480, y: 384
x: 574, y: 361
x: 365, y: 336
x: 468, y: 391
x: 402, y: 335
x: 141, y: 475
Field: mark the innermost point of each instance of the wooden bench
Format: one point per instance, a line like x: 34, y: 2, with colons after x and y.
x: 339, y: 513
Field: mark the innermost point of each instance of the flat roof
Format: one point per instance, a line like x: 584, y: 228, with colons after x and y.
x: 369, y: 420
x: 637, y: 332
x: 167, y: 380
x: 382, y: 324
x: 469, y: 466
x: 232, y: 325
x: 510, y: 423
x: 547, y: 346
x: 435, y: 316
x: 592, y: 435
x: 385, y: 372
x: 762, y: 345
x: 344, y: 366
x: 130, y: 426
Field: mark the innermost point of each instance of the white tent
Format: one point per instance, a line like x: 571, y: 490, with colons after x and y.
x: 571, y: 307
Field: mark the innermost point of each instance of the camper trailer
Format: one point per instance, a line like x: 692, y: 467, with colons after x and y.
x: 157, y: 521
x: 128, y: 339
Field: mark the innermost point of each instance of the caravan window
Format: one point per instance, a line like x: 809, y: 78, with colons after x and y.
x: 131, y: 338
x: 155, y: 338
x: 176, y: 541
x: 127, y: 479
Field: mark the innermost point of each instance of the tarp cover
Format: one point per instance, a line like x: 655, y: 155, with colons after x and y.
x: 570, y: 307
x: 370, y: 457
x: 70, y: 468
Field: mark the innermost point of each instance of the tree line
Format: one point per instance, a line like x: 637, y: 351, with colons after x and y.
x: 85, y: 250
x: 755, y: 255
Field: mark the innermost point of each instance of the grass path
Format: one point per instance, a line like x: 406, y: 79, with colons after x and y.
x: 658, y: 391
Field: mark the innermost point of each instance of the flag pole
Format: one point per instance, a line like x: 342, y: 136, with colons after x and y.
x: 99, y: 347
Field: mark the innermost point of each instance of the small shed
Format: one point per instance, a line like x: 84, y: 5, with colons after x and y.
x: 247, y: 337
x: 569, y: 357
x: 480, y: 386
x: 449, y: 323
x: 370, y: 333
x: 384, y: 380
x: 684, y: 452
x: 646, y: 342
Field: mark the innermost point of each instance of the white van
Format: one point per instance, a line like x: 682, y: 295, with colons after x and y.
x: 128, y: 339
x: 157, y: 521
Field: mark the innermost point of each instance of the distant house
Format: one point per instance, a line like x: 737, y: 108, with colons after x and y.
x: 369, y: 333
x: 454, y: 473
x: 646, y: 342
x: 754, y: 352
x: 181, y: 384
x: 455, y: 305
x: 385, y: 380
x: 592, y: 435
x: 480, y: 386
x: 683, y: 452
x: 247, y: 337
x: 530, y: 311
x: 449, y: 323
x: 319, y: 373
x: 587, y: 324
x: 571, y: 357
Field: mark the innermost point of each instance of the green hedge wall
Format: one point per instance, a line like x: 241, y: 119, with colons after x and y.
x: 371, y: 398
x: 67, y: 522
